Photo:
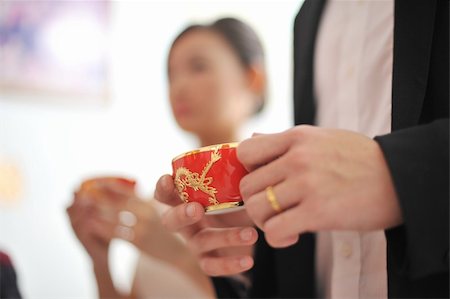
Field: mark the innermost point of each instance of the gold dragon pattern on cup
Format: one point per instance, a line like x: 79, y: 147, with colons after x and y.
x: 184, y: 178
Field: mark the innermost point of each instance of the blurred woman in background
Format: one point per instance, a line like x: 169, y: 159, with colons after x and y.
x: 216, y: 82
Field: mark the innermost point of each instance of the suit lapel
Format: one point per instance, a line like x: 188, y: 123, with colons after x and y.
x: 413, y: 33
x: 305, y: 32
x: 295, y: 265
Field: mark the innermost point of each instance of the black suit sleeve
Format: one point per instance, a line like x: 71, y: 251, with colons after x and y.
x: 232, y: 287
x: 418, y: 159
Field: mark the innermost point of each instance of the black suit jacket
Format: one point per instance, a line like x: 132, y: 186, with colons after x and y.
x: 417, y: 153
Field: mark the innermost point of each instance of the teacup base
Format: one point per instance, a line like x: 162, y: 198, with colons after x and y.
x: 225, y: 207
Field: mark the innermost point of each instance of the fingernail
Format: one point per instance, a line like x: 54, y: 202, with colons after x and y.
x: 246, y: 234
x: 190, y: 210
x: 245, y: 262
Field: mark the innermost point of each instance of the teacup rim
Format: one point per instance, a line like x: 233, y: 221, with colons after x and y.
x: 206, y: 149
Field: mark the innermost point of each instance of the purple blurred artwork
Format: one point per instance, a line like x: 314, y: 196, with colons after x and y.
x: 55, y: 48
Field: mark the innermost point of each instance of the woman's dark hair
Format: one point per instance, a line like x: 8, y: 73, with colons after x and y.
x: 242, y: 39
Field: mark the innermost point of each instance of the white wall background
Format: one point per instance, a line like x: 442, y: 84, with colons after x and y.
x: 55, y: 145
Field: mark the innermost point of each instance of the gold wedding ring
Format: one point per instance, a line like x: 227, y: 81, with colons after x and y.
x: 272, y: 199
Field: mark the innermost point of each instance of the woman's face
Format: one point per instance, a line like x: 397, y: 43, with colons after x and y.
x: 209, y: 87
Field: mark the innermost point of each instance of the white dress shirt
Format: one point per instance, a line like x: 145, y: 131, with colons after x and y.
x: 353, y: 88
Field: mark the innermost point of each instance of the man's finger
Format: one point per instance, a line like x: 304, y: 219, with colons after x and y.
x: 289, y: 241
x: 259, y: 179
x: 283, y: 227
x: 165, y: 191
x: 223, y: 266
x: 262, y: 149
x: 260, y: 209
x: 217, y: 238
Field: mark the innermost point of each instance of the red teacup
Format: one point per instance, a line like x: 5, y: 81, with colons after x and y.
x: 93, y: 186
x: 210, y: 176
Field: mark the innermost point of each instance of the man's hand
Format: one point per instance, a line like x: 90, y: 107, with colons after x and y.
x: 223, y: 243
x: 323, y: 179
